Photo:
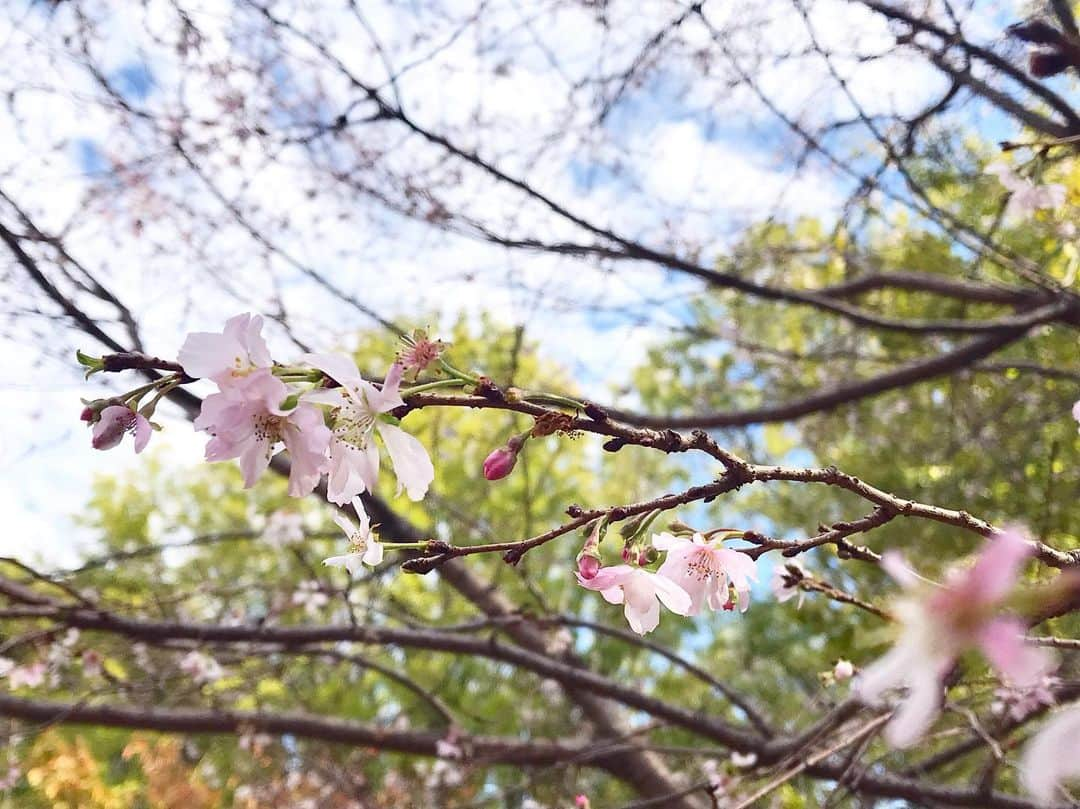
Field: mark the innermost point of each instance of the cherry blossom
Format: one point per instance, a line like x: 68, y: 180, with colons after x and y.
x: 638, y: 590
x: 115, y: 422
x: 719, y: 782
x: 1051, y: 757
x: 284, y: 528
x: 785, y: 582
x: 420, y: 351
x: 310, y: 596
x: 354, y: 457
x: 448, y: 748
x: 743, y: 760
x: 366, y: 548
x: 247, y: 421
x: 707, y: 571
x: 1025, y: 196
x: 224, y: 357
x: 28, y: 676
x: 1020, y: 703
x: 1076, y: 412
x: 201, y: 667
x: 941, y: 621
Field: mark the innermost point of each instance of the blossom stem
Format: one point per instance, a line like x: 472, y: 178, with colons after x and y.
x: 132, y: 396
x: 441, y: 383
x: 553, y: 399
x: 404, y: 546
x: 457, y: 373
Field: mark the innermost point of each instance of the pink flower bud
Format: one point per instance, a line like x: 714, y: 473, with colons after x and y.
x: 500, y: 462
x: 588, y: 566
x: 843, y: 670
x: 582, y: 802
x: 646, y: 556
x: 87, y: 414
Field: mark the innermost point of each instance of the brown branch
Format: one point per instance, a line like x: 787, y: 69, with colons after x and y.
x: 306, y: 726
x: 931, y: 282
x: 919, y: 370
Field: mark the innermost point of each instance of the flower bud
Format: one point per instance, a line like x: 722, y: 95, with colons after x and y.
x: 110, y: 430
x: 588, y: 566
x: 588, y: 560
x: 647, y: 555
x: 843, y: 670
x: 582, y: 802
x: 500, y: 462
x: 87, y: 414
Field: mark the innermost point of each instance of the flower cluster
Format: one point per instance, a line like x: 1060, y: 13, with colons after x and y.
x: 1026, y: 197
x: 697, y: 572
x: 321, y: 410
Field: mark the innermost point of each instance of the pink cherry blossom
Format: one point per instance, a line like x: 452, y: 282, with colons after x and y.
x: 420, y: 352
x: 1020, y: 703
x: 115, y: 422
x: 310, y: 596
x: 354, y: 457
x: 201, y: 667
x: 284, y: 528
x: 1076, y: 411
x: 234, y: 353
x: 448, y: 748
x: 1051, y: 757
x: 1026, y: 197
x: 247, y: 422
x: 29, y: 676
x: 11, y: 778
x: 719, y: 781
x: 707, y: 571
x: 365, y: 545
x: 638, y: 590
x: 939, y: 622
x: 785, y: 582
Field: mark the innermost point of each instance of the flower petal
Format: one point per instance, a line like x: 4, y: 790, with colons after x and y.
x: 374, y: 553
x: 608, y: 577
x: 674, y: 597
x: 339, y: 367
x: 994, y: 573
x: 894, y: 563
x: 666, y: 542
x: 143, y: 431
x: 918, y: 711
x: 1002, y: 641
x: 388, y: 397
x: 1051, y: 757
x: 410, y: 459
